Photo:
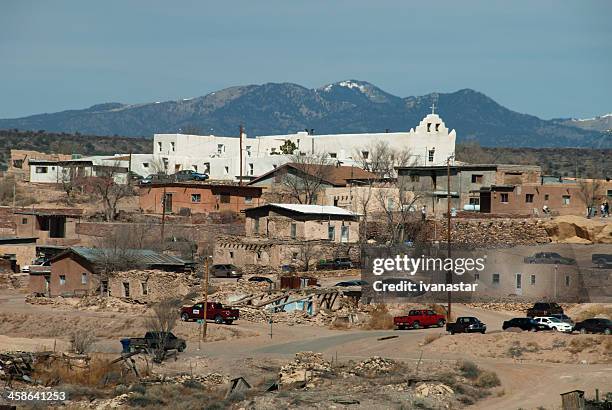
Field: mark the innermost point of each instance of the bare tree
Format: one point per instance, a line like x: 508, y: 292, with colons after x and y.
x: 381, y: 159
x: 304, y: 180
x: 400, y: 216
x: 307, y: 254
x: 158, y: 166
x: 110, y: 190
x: 82, y: 340
x: 589, y: 192
x: 162, y: 320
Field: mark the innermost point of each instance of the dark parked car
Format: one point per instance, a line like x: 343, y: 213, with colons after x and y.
x: 260, y: 279
x: 225, y: 271
x: 190, y: 175
x: 333, y: 264
x: 524, y: 323
x: 348, y: 283
x: 466, y: 324
x: 544, y: 309
x: 594, y: 326
x: 602, y: 260
x: 550, y: 258
x: 155, y: 340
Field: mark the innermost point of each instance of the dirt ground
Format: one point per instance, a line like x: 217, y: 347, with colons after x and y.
x: 533, y: 368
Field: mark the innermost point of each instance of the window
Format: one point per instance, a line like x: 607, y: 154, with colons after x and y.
x: 226, y: 170
x: 476, y: 179
x: 431, y: 155
x: 567, y: 280
x: 62, y: 279
x: 248, y: 199
x: 566, y: 199
x: 414, y: 178
x: 248, y: 150
x: 52, y: 168
x: 333, y: 155
x: 609, y: 193
x: 24, y: 221
x: 256, y: 225
x: 533, y: 279
x: 41, y: 170
x: 225, y: 199
x: 495, y: 278
x: 207, y: 167
x: 476, y: 276
x: 251, y: 169
x: 529, y: 198
x: 344, y: 234
x: 159, y: 146
x: 474, y: 201
x: 220, y: 149
x: 172, y: 146
x: 258, y: 255
x: 365, y: 154
x: 546, y: 197
x: 126, y: 289
x: 293, y: 231
x: 196, y: 198
x: 331, y: 233
x: 145, y: 165
x: 438, y: 127
x: 145, y: 288
x: 83, y: 278
x: 504, y: 198
x: 231, y: 255
x: 429, y: 127
x: 519, y: 281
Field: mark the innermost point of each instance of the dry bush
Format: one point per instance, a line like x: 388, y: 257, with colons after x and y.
x: 380, y: 318
x: 487, y: 379
x: 81, y: 340
x: 431, y: 338
x: 58, y: 372
x: 515, y: 350
x: 579, y: 344
x: 9, y: 191
x: 593, y: 311
x: 468, y: 369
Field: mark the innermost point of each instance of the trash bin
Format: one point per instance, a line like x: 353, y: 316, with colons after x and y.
x: 125, y: 343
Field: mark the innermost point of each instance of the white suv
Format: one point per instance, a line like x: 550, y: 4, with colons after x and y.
x: 554, y: 323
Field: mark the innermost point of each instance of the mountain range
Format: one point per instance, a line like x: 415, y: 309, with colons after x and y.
x: 342, y: 107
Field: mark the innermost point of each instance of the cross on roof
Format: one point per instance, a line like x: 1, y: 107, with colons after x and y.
x: 433, y: 107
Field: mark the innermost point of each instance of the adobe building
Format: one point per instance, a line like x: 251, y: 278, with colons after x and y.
x: 51, y: 226
x: 19, y: 163
x: 187, y: 198
x: 431, y: 183
x: 83, y: 271
x: 21, y: 251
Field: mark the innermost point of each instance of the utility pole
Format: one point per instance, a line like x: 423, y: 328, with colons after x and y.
x: 241, y: 131
x: 130, y: 169
x: 163, y: 221
x: 449, y: 275
x: 204, y: 328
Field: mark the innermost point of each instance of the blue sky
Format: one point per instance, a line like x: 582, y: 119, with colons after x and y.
x: 548, y: 58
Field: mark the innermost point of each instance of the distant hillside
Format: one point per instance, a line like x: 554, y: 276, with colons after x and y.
x: 601, y: 123
x: 346, y: 106
x: 63, y: 143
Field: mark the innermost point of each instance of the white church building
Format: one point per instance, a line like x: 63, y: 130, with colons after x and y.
x: 430, y: 143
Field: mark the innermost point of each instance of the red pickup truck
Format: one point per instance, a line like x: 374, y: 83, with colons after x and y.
x: 419, y: 318
x: 214, y: 311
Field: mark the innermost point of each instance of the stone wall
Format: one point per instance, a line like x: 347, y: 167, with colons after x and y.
x: 151, y: 285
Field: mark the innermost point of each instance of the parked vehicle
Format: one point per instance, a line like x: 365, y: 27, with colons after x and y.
x: 154, y: 340
x: 334, y: 264
x: 153, y: 179
x: 37, y: 262
x: 419, y: 318
x: 549, y: 257
x: 260, y: 279
x: 466, y: 324
x: 563, y: 317
x: 225, y: 271
x: 524, y: 323
x: 348, y: 283
x: 602, y: 260
x: 214, y: 311
x: 190, y: 175
x: 554, y: 324
x: 594, y: 325
x: 542, y: 309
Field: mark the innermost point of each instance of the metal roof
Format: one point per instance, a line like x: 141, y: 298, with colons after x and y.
x: 316, y: 209
x: 146, y: 257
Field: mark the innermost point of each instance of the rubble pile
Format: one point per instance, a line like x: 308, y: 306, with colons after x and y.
x: 210, y: 379
x: 375, y: 366
x: 305, y: 370
x: 17, y: 365
x: 435, y: 390
x: 94, y: 303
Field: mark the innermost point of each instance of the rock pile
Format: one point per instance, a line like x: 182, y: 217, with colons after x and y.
x: 435, y: 390
x: 375, y: 366
x: 305, y: 370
